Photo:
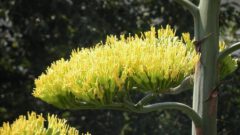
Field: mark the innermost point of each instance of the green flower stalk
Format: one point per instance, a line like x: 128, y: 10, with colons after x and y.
x: 33, y: 124
x: 152, y: 62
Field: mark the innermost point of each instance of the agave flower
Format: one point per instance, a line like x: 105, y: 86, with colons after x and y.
x: 33, y: 124
x: 152, y: 62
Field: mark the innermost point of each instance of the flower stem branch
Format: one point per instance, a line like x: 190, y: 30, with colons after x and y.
x: 228, y: 51
x: 189, y: 5
x: 113, y: 106
x: 129, y: 106
x: 186, y: 84
x: 146, y: 99
x: 197, y: 120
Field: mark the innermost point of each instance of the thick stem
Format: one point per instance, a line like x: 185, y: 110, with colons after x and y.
x: 206, y: 77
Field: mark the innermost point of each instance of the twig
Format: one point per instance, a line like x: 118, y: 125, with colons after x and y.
x: 145, y: 99
x: 186, y: 84
x: 228, y: 51
x: 189, y: 5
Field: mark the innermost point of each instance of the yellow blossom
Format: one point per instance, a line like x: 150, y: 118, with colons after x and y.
x: 152, y: 62
x: 33, y: 124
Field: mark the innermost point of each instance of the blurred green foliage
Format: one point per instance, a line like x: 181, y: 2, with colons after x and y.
x: 35, y: 33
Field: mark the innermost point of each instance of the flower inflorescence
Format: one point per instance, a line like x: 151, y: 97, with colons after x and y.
x: 33, y: 124
x: 151, y: 62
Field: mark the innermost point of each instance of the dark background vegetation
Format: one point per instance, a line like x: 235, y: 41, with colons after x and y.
x: 34, y: 33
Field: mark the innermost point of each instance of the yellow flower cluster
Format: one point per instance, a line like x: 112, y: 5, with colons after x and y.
x: 153, y: 61
x: 33, y: 124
